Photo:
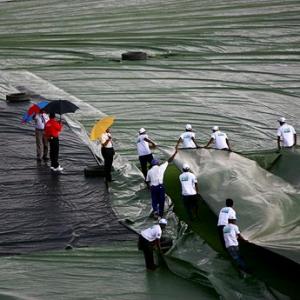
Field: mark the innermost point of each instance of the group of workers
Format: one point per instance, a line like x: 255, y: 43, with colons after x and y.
x: 47, y: 130
x: 154, y: 176
x: 230, y: 235
x: 228, y: 230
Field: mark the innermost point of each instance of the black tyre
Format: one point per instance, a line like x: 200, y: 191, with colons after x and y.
x: 134, y: 55
x: 17, y: 97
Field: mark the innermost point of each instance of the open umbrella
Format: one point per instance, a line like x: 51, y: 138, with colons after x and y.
x: 32, y: 110
x: 101, y: 126
x: 61, y: 107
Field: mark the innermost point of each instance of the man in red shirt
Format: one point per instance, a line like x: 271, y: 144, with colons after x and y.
x: 52, y: 131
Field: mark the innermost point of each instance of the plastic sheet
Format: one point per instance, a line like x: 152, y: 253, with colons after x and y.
x: 223, y: 63
x: 44, y: 210
x: 267, y: 206
x: 111, y: 272
x: 284, y: 164
x: 195, y: 260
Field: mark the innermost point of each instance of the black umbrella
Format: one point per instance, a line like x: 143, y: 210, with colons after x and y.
x: 60, y: 107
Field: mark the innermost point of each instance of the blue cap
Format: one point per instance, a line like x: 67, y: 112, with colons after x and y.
x: 154, y: 162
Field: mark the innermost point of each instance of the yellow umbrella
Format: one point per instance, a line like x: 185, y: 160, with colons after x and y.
x: 101, y: 126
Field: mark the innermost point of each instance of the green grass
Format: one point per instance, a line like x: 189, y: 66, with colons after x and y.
x: 205, y: 224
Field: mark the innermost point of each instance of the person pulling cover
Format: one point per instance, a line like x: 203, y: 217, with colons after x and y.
x: 187, y: 138
x: 144, y: 151
x: 231, y: 236
x: 225, y: 214
x: 189, y: 191
x: 154, y: 179
x: 219, y: 139
x: 149, y: 239
x: 287, y: 133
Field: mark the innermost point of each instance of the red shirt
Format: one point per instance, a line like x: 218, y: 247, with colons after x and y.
x: 52, y: 128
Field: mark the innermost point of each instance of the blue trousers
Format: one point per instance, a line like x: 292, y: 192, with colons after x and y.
x: 158, y: 198
x: 235, y: 254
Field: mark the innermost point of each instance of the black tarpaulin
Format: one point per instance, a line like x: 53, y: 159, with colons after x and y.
x: 44, y: 210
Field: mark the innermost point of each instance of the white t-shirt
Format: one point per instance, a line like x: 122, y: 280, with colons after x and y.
x: 104, y: 137
x: 286, y: 132
x: 225, y: 214
x: 41, y: 120
x: 142, y: 145
x: 152, y: 233
x: 220, y: 140
x: 155, y: 175
x: 231, y: 232
x: 187, y: 141
x: 188, y: 181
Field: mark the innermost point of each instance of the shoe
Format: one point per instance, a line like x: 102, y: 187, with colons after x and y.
x: 68, y: 247
x: 153, y: 268
x: 59, y: 168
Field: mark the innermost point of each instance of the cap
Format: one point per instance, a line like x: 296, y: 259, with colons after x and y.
x: 281, y: 120
x: 163, y: 221
x: 142, y: 130
x: 185, y: 167
x: 215, y: 128
x: 154, y: 162
x: 188, y: 127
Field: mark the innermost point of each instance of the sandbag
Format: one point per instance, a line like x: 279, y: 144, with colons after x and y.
x: 17, y: 97
x: 94, y: 171
x: 134, y: 55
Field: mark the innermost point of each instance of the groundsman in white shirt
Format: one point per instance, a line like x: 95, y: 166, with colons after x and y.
x: 143, y: 144
x: 231, y: 236
x: 189, y: 191
x: 154, y: 180
x: 219, y: 139
x: 187, y: 138
x: 150, y: 239
x: 225, y: 214
x: 286, y: 134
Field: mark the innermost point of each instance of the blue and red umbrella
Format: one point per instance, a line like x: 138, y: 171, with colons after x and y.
x: 32, y: 110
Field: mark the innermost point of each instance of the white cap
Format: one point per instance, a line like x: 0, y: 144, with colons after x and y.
x: 188, y: 127
x: 185, y: 167
x: 163, y: 221
x: 281, y: 120
x: 142, y: 130
x: 215, y: 128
